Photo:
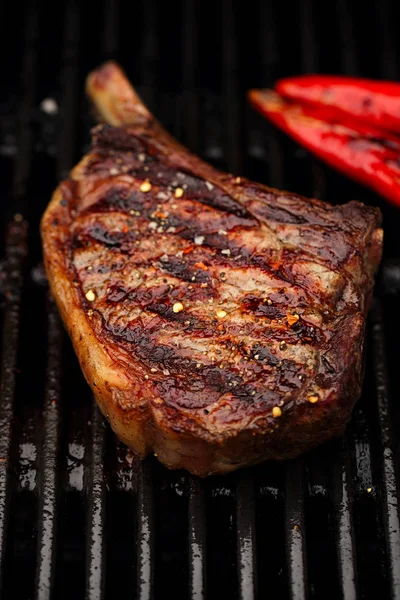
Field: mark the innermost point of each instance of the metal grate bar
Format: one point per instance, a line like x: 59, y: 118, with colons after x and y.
x: 197, y: 540
x: 16, y: 249
x: 231, y: 109
x: 347, y: 39
x: 389, y: 482
x: 145, y: 534
x: 48, y: 469
x: 345, y: 531
x: 190, y: 107
x: 111, y: 13
x: 245, y: 532
x: 149, y: 51
x: 270, y: 61
x: 15, y: 255
x: 25, y: 134
x: 70, y: 91
x: 309, y: 51
x: 388, y: 65
x: 95, y: 550
x: 294, y: 527
x: 309, y: 55
x: 45, y: 570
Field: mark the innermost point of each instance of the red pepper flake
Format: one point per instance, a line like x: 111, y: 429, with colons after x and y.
x: 201, y: 265
x: 292, y: 319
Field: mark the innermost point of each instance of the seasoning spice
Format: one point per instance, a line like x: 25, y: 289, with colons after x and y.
x: 90, y: 295
x: 177, y: 307
x: 178, y: 193
x: 313, y: 398
x: 292, y: 319
x: 145, y: 186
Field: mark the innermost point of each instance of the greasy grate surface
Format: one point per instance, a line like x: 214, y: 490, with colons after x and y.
x: 79, y: 517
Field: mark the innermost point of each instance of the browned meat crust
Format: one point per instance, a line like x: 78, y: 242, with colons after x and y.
x: 218, y: 322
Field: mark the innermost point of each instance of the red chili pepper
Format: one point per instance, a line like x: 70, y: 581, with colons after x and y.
x: 374, y: 102
x: 361, y: 152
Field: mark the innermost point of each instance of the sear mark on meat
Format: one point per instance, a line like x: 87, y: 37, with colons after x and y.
x: 219, y: 322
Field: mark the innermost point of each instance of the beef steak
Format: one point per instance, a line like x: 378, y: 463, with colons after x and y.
x: 218, y: 322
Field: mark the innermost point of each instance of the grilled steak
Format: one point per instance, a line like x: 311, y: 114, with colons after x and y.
x: 218, y: 322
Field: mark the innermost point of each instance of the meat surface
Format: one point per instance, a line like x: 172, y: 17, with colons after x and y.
x: 218, y: 322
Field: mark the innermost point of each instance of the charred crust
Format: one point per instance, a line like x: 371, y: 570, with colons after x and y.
x: 310, y: 342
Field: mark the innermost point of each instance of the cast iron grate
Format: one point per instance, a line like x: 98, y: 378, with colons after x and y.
x: 78, y: 515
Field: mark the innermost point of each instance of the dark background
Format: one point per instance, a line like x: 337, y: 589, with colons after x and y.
x: 193, y: 63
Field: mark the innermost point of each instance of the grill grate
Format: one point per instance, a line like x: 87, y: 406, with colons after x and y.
x: 78, y: 514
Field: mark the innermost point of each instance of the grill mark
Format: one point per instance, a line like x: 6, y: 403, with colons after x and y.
x: 270, y: 213
x: 205, y: 223
x: 264, y: 355
x: 220, y: 273
x: 187, y: 376
x: 259, y: 308
x: 257, y: 199
x: 199, y: 273
x: 213, y: 229
x: 308, y: 333
x: 121, y: 199
x: 292, y: 227
x: 167, y: 358
x: 157, y: 299
x: 232, y: 332
x: 289, y: 373
x: 199, y: 220
x: 189, y: 323
x: 265, y: 263
x: 290, y: 207
x: 141, y: 296
x: 166, y: 177
x: 125, y: 240
x: 188, y: 228
x: 184, y: 271
x: 158, y: 172
x: 125, y: 243
x: 149, y: 296
x: 97, y: 233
